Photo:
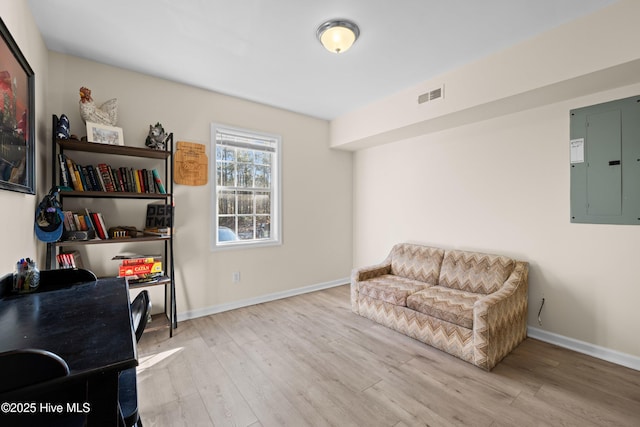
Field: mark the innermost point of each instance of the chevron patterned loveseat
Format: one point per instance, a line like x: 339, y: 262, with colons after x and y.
x: 471, y: 305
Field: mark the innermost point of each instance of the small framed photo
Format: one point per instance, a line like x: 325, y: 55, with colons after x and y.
x: 103, y: 134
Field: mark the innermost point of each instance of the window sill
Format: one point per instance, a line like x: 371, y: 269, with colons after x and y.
x: 245, y: 245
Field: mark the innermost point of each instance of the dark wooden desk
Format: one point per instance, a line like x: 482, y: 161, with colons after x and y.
x: 88, y: 325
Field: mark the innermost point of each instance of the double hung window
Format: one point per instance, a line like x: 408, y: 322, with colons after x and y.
x: 247, y: 187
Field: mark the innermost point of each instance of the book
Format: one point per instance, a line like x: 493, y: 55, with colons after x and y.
x: 103, y: 226
x: 101, y: 232
x: 141, y: 179
x: 140, y: 269
x: 151, y: 181
x: 125, y: 179
x: 136, y: 179
x: 99, y: 178
x: 64, y: 173
x: 76, y: 221
x: 114, y: 178
x: 158, y: 215
x: 81, y: 221
x: 69, y: 260
x: 89, y: 220
x: 140, y: 260
x: 82, y: 171
x: 158, y: 181
x: 96, y: 225
x: 73, y: 173
x: 91, y: 174
x: 69, y: 223
x: 118, y: 173
x: 135, y: 256
x: 132, y: 182
x: 145, y: 278
x: 144, y: 180
x: 64, y: 261
x: 106, y: 177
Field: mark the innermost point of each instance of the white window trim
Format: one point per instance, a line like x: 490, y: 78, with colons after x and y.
x: 276, y: 202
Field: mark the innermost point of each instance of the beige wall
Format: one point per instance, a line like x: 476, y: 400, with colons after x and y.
x: 18, y: 210
x: 491, y: 173
x: 317, y: 185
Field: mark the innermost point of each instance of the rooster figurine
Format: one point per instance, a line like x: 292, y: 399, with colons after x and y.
x: 106, y: 114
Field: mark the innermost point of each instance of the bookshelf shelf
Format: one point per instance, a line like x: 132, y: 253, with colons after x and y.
x: 158, y: 282
x: 119, y: 150
x: 114, y: 195
x: 118, y: 190
x: 110, y: 241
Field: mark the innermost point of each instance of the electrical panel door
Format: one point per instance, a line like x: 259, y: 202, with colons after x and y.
x: 605, y: 163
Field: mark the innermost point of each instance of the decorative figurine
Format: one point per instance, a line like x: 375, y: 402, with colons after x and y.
x: 62, y: 131
x: 157, y: 137
x: 106, y: 114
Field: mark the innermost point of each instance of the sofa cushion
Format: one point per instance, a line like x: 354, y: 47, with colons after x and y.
x: 416, y: 262
x: 451, y: 305
x: 474, y: 272
x: 391, y: 289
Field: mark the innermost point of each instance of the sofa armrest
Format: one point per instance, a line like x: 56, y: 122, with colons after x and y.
x: 365, y: 273
x: 500, y: 319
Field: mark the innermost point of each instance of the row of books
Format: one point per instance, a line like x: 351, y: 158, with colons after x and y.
x: 69, y: 260
x: 84, y: 221
x: 103, y: 177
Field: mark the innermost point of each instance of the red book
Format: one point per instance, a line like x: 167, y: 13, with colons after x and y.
x: 141, y: 260
x: 96, y: 221
x: 106, y: 177
x: 105, y: 230
x: 138, y: 269
x: 141, y: 178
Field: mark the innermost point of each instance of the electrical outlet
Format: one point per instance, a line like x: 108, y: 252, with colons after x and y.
x: 235, y: 276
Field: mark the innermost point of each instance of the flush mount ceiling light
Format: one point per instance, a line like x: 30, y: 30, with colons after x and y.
x: 337, y: 35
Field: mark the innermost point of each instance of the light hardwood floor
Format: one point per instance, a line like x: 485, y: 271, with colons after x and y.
x: 309, y: 361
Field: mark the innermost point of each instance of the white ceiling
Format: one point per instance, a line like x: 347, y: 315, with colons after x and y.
x: 266, y: 50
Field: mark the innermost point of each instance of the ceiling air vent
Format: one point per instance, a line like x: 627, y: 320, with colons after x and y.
x: 432, y: 95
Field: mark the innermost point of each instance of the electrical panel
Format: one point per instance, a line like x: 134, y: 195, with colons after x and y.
x: 605, y: 162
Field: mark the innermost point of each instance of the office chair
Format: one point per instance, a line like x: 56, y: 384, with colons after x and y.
x: 6, y: 285
x: 127, y: 381
x: 140, y: 312
x: 65, y: 277
x: 26, y: 367
x: 22, y: 372
x: 51, y: 279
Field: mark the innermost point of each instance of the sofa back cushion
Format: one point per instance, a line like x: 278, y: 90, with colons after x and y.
x: 416, y: 262
x: 475, y: 272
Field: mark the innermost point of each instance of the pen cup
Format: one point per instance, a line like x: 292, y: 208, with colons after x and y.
x: 26, y: 278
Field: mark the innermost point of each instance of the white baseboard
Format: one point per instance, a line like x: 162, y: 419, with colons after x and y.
x: 603, y: 353
x: 258, y: 300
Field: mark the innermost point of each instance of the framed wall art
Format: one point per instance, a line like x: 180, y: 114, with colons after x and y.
x: 17, y: 117
x: 103, y: 134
